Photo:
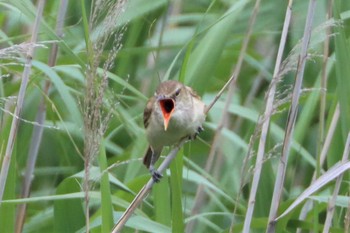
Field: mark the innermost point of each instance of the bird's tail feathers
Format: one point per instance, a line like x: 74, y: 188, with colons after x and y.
x: 151, y: 156
x: 148, y: 157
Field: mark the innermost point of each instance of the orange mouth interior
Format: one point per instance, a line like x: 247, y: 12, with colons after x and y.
x: 167, y: 106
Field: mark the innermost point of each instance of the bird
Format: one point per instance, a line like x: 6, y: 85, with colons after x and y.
x: 173, y: 114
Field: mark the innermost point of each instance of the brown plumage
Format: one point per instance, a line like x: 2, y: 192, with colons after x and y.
x: 173, y: 113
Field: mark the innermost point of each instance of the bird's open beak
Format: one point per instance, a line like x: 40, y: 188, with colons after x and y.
x: 167, y: 105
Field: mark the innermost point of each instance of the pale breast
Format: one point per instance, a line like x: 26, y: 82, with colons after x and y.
x: 158, y: 137
x: 183, y: 123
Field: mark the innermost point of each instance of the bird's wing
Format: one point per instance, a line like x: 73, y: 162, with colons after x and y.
x: 147, y: 112
x: 192, y: 92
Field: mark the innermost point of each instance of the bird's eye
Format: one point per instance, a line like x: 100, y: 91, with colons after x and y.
x: 177, y: 92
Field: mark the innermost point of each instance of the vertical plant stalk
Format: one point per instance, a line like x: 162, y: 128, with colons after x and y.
x: 335, y: 119
x: 105, y: 189
x: 323, y: 143
x: 314, y: 204
x: 329, y: 137
x: 95, y: 118
x: 231, y: 83
x: 347, y: 219
x: 277, y: 193
x: 20, y: 100
x: 89, y: 119
x: 324, y: 87
x: 266, y: 120
x: 38, y: 128
x: 331, y: 203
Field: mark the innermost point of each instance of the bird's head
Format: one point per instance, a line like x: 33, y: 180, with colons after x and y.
x: 168, y: 94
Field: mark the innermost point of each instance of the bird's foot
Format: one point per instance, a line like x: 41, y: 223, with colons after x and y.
x: 156, y: 176
x: 200, y: 129
x: 194, y: 136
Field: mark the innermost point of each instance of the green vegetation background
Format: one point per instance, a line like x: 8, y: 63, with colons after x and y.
x: 198, y: 42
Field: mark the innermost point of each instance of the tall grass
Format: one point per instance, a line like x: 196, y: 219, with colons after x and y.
x: 274, y: 153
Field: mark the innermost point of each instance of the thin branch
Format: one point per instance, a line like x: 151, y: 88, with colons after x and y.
x: 291, y: 119
x: 40, y: 119
x: 20, y: 100
x: 145, y: 190
x: 266, y: 120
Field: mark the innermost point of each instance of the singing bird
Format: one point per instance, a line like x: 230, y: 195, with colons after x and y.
x: 174, y: 113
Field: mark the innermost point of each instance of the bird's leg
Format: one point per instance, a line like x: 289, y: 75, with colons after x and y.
x: 154, y: 172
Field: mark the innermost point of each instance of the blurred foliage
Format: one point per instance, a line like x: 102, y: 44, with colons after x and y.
x: 198, y: 41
